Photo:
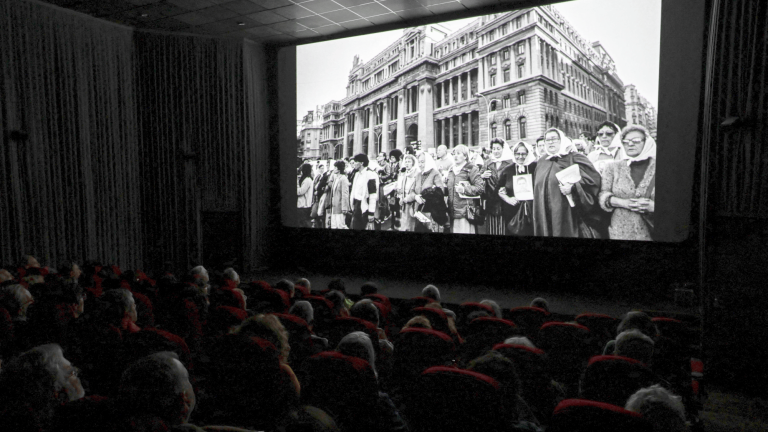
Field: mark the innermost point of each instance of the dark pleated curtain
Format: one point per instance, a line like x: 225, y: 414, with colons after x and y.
x: 739, y: 156
x: 201, y: 104
x: 71, y: 189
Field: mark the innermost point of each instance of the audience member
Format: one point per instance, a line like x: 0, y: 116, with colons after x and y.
x: 121, y: 309
x: 664, y: 410
x: 418, y: 321
x: 634, y: 344
x: 520, y: 340
x: 369, y: 288
x: 16, y: 300
x: 33, y: 385
x: 303, y: 309
x: 286, y: 286
x: 431, y: 292
x: 494, y: 306
x: 540, y: 303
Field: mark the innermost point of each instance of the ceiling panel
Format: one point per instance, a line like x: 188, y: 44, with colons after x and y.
x: 268, y: 20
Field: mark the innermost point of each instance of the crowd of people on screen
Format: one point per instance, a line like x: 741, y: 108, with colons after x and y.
x: 508, y: 189
x: 97, y: 348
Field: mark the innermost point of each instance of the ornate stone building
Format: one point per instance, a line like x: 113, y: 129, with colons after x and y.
x: 639, y: 110
x: 511, y: 75
x: 309, y: 135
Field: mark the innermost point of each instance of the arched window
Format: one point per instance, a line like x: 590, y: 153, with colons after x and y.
x: 521, y: 126
x: 493, y: 130
x: 493, y: 105
x: 508, y: 130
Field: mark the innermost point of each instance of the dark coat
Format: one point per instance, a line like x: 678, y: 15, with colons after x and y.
x: 552, y: 215
x: 457, y: 206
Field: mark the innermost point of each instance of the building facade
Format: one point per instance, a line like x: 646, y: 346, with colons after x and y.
x: 310, y: 134
x: 511, y: 75
x: 639, y: 110
x: 332, y: 134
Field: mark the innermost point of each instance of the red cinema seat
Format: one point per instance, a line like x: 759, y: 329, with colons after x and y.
x: 613, y: 379
x: 602, y: 326
x: 529, y: 319
x: 536, y: 385
x: 452, y: 399
x: 579, y: 415
x: 568, y: 347
x: 418, y: 349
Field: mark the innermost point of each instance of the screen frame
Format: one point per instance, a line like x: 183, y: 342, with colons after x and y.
x: 682, y: 74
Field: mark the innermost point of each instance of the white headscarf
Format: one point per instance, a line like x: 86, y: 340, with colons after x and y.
x: 528, y: 159
x: 613, y: 146
x: 429, y: 161
x: 566, y: 145
x: 506, y: 153
x: 649, y: 149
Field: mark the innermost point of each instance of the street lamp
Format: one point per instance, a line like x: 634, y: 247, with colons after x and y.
x: 488, y: 112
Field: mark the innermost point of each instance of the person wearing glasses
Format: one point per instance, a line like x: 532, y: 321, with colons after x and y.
x: 518, y: 214
x: 553, y: 213
x: 499, y: 159
x: 606, y: 148
x: 628, y: 188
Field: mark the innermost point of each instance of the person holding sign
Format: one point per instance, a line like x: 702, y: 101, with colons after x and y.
x: 568, y: 208
x: 500, y: 158
x: 629, y: 186
x: 516, y: 191
x: 464, y: 186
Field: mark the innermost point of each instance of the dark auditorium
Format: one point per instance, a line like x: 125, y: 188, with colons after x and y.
x: 383, y: 215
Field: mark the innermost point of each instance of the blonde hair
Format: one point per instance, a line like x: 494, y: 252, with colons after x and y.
x: 461, y: 148
x: 419, y: 321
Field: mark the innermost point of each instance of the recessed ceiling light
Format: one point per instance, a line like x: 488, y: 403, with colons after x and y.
x: 144, y: 15
x: 241, y: 23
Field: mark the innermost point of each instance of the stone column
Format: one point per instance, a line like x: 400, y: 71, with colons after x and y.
x: 469, y: 129
x: 426, y: 115
x: 450, y: 91
x: 371, y: 132
x: 385, y: 127
x: 461, y: 129
x: 400, y: 119
x: 450, y: 143
x: 357, y: 146
x: 481, y: 75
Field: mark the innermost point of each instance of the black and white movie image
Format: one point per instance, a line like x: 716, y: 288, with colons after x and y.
x: 532, y: 122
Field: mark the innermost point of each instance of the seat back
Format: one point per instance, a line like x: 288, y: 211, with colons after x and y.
x: 299, y: 337
x: 603, y: 327
x: 436, y: 317
x: 613, y: 379
x: 418, y: 349
x: 529, y: 319
x: 579, y: 415
x: 568, y: 347
x: 466, y: 308
x: 324, y: 314
x: 482, y: 334
x: 455, y: 399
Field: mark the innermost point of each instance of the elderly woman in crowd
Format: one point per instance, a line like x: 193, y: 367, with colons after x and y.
x: 500, y: 158
x: 304, y: 192
x: 463, y: 179
x: 565, y: 209
x: 607, y: 147
x: 386, y: 176
x: 394, y: 203
x: 339, y: 193
x: 662, y: 409
x: 518, y: 213
x: 628, y: 189
x: 408, y: 185
x: 430, y: 196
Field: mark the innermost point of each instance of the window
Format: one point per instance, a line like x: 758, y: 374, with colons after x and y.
x: 556, y: 101
x: 508, y: 130
x: 521, y: 97
x: 505, y: 55
x: 493, y: 58
x: 506, y: 75
x: 493, y: 80
x: 412, y: 49
x: 520, y: 48
x: 519, y: 71
x: 493, y: 105
x: 393, y: 108
x: 414, y: 98
x: 507, y: 102
x: 493, y: 130
x: 521, y: 126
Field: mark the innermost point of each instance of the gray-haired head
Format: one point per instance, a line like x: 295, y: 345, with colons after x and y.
x: 494, y: 306
x: 540, y: 303
x: 431, y: 292
x: 232, y: 275
x: 303, y: 309
x: 365, y: 310
x: 358, y: 344
x: 158, y: 384
x: 201, y: 272
x: 664, y: 410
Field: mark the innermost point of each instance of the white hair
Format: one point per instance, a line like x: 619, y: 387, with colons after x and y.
x: 358, y: 344
x: 664, y: 410
x: 232, y: 275
x: 303, y: 309
x: 634, y: 344
x: 494, y: 306
x: 51, y: 357
x: 201, y: 271
x: 520, y: 340
x: 15, y: 299
x: 431, y: 291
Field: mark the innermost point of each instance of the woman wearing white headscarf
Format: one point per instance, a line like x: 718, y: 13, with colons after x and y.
x: 407, y: 188
x: 628, y: 190
x: 517, y: 214
x: 431, y: 193
x: 607, y: 146
x: 553, y: 215
x: 462, y: 171
x: 499, y: 159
